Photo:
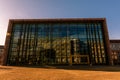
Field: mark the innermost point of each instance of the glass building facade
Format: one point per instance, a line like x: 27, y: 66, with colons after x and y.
x: 56, y: 42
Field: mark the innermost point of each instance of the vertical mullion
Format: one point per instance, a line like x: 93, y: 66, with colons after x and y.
x: 25, y: 45
x: 27, y: 37
x: 100, y: 44
x: 36, y: 43
x: 66, y: 44
x: 88, y: 46
x: 61, y: 45
x: 50, y: 27
x: 100, y: 52
x: 19, y: 43
x: 96, y: 41
x: 41, y: 35
x: 29, y: 55
x: 92, y: 42
x: 24, y: 28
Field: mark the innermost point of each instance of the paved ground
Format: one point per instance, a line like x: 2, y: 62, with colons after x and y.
x: 60, y: 73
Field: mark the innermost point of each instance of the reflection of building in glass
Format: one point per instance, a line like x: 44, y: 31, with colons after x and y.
x: 57, y: 41
x: 1, y: 52
x: 115, y: 47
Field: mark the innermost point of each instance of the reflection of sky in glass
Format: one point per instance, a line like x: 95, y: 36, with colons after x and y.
x: 72, y: 31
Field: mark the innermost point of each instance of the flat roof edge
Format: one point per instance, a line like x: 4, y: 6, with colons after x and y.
x: 115, y: 41
x: 58, y: 19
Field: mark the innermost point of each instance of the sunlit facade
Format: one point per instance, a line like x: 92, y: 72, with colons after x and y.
x: 57, y: 42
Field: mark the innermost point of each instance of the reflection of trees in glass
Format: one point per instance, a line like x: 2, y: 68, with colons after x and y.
x: 44, y: 42
x: 47, y: 56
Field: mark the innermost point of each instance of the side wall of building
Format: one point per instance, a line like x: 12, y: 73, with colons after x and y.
x: 106, y: 36
x: 7, y: 42
x: 115, y: 48
x: 1, y: 53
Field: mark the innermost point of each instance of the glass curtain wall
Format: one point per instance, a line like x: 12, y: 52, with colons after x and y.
x: 56, y: 43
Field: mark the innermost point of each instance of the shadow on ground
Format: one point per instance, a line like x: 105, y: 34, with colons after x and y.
x: 5, y: 68
x: 81, y: 67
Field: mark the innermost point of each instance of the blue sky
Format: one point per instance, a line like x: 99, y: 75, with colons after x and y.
x: 36, y: 9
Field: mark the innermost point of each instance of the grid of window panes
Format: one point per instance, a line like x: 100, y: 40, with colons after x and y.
x: 55, y: 43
